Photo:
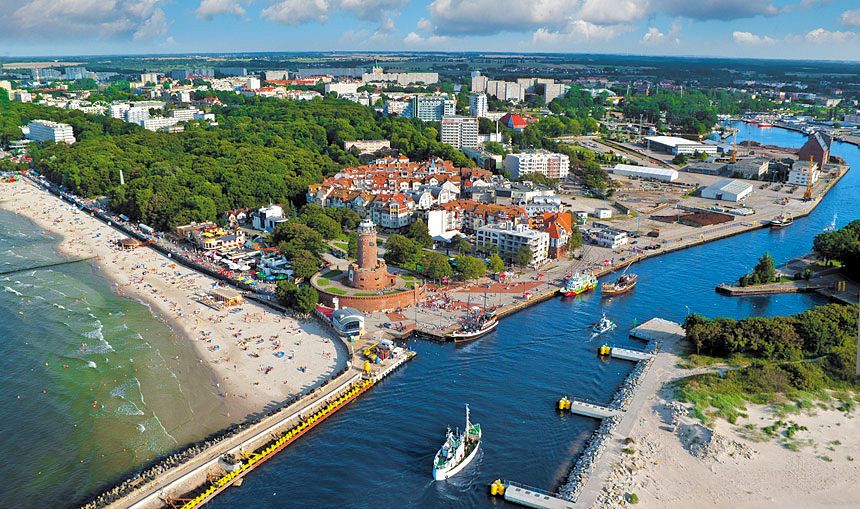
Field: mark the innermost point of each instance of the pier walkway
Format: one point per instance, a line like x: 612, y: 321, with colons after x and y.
x: 533, y: 497
x: 658, y: 330
x: 630, y: 355
x: 592, y: 409
x: 46, y: 265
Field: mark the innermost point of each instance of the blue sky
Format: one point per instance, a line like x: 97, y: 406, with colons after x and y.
x: 794, y: 29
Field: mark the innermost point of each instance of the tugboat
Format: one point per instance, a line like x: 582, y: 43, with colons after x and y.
x: 623, y: 284
x: 781, y: 221
x: 458, y: 450
x: 476, y: 324
x: 604, y: 325
x: 578, y: 284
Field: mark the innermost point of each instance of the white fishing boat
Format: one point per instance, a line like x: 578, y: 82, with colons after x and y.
x: 604, y: 325
x: 458, y: 450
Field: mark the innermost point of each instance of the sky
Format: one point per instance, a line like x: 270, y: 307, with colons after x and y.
x: 791, y: 29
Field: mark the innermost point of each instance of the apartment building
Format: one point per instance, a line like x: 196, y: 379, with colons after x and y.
x: 46, y: 130
x: 550, y: 164
x: 460, y: 132
x: 510, y: 238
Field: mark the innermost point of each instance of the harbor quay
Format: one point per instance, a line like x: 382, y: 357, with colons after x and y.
x: 441, y: 308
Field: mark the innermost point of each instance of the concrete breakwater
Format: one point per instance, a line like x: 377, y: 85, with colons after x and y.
x: 162, y: 464
x: 581, y: 470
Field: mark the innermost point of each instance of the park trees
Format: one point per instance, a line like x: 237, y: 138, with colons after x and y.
x: 496, y: 264
x: 469, y: 267
x: 419, y: 233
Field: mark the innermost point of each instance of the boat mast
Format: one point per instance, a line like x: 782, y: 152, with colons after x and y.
x: 467, y: 417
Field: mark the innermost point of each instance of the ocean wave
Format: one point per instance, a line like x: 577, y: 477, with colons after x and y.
x: 92, y: 364
x: 12, y: 290
x: 129, y: 408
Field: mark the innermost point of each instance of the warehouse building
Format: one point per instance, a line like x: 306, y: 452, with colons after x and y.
x: 728, y: 190
x: 645, y: 172
x: 675, y: 145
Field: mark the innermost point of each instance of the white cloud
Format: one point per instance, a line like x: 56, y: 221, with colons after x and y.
x: 577, y: 31
x: 424, y: 24
x: 414, y: 39
x: 613, y: 11
x: 715, y: 9
x: 81, y: 19
x: 153, y: 26
x: 752, y: 39
x: 655, y: 36
x: 851, y: 18
x: 208, y: 9
x: 822, y: 36
x: 295, y: 12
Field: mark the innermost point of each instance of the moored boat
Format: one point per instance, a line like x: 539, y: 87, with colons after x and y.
x: 475, y: 324
x: 458, y: 450
x: 578, y: 284
x: 781, y: 221
x: 623, y: 284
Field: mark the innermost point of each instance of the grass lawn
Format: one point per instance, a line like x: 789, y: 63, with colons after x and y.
x: 323, y: 281
x: 335, y: 290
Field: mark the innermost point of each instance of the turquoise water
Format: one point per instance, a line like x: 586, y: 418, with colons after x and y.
x: 91, y: 384
x: 378, y: 452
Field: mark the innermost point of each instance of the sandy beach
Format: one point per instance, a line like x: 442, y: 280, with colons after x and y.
x: 257, y: 357
x: 663, y: 458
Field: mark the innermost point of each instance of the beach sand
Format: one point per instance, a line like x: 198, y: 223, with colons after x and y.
x: 258, y: 357
x: 743, y: 467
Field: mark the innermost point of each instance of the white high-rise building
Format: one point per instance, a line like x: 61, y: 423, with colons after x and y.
x: 460, y: 132
x: 430, y: 108
x: 253, y: 83
x: 555, y: 166
x: 478, y: 105
x: 552, y: 91
x: 149, y: 77
x: 45, y: 130
x: 118, y: 110
x: 479, y: 83
x: 185, y: 115
x: 510, y: 238
x: 343, y: 87
x: 136, y: 115
x: 277, y: 75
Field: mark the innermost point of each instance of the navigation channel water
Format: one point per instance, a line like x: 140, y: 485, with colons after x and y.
x: 379, y: 451
x: 91, y: 384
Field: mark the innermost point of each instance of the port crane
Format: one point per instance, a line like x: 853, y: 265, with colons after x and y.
x: 807, y: 194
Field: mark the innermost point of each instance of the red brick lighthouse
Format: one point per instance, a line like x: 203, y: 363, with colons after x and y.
x: 369, y: 272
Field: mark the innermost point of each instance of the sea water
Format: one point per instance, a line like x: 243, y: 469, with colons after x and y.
x: 92, y: 385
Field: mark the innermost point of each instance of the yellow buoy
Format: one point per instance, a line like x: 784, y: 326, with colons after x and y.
x: 564, y: 403
x: 605, y: 350
x: 497, y: 488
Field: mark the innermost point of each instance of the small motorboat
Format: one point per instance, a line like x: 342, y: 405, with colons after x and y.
x: 603, y: 325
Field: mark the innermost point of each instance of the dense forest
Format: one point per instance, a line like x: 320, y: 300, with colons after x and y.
x: 825, y: 335
x: 263, y: 150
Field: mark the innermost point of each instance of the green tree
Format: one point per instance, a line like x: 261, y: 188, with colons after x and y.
x: 352, y: 246
x: 304, y: 263
x: 574, y: 240
x: 463, y: 245
x: 306, y: 298
x: 401, y: 250
x: 419, y: 233
x: 523, y: 256
x: 470, y: 267
x: 496, y: 264
x: 436, y: 265
x: 286, y: 293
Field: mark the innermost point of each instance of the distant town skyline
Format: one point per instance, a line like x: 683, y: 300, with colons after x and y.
x: 789, y: 29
